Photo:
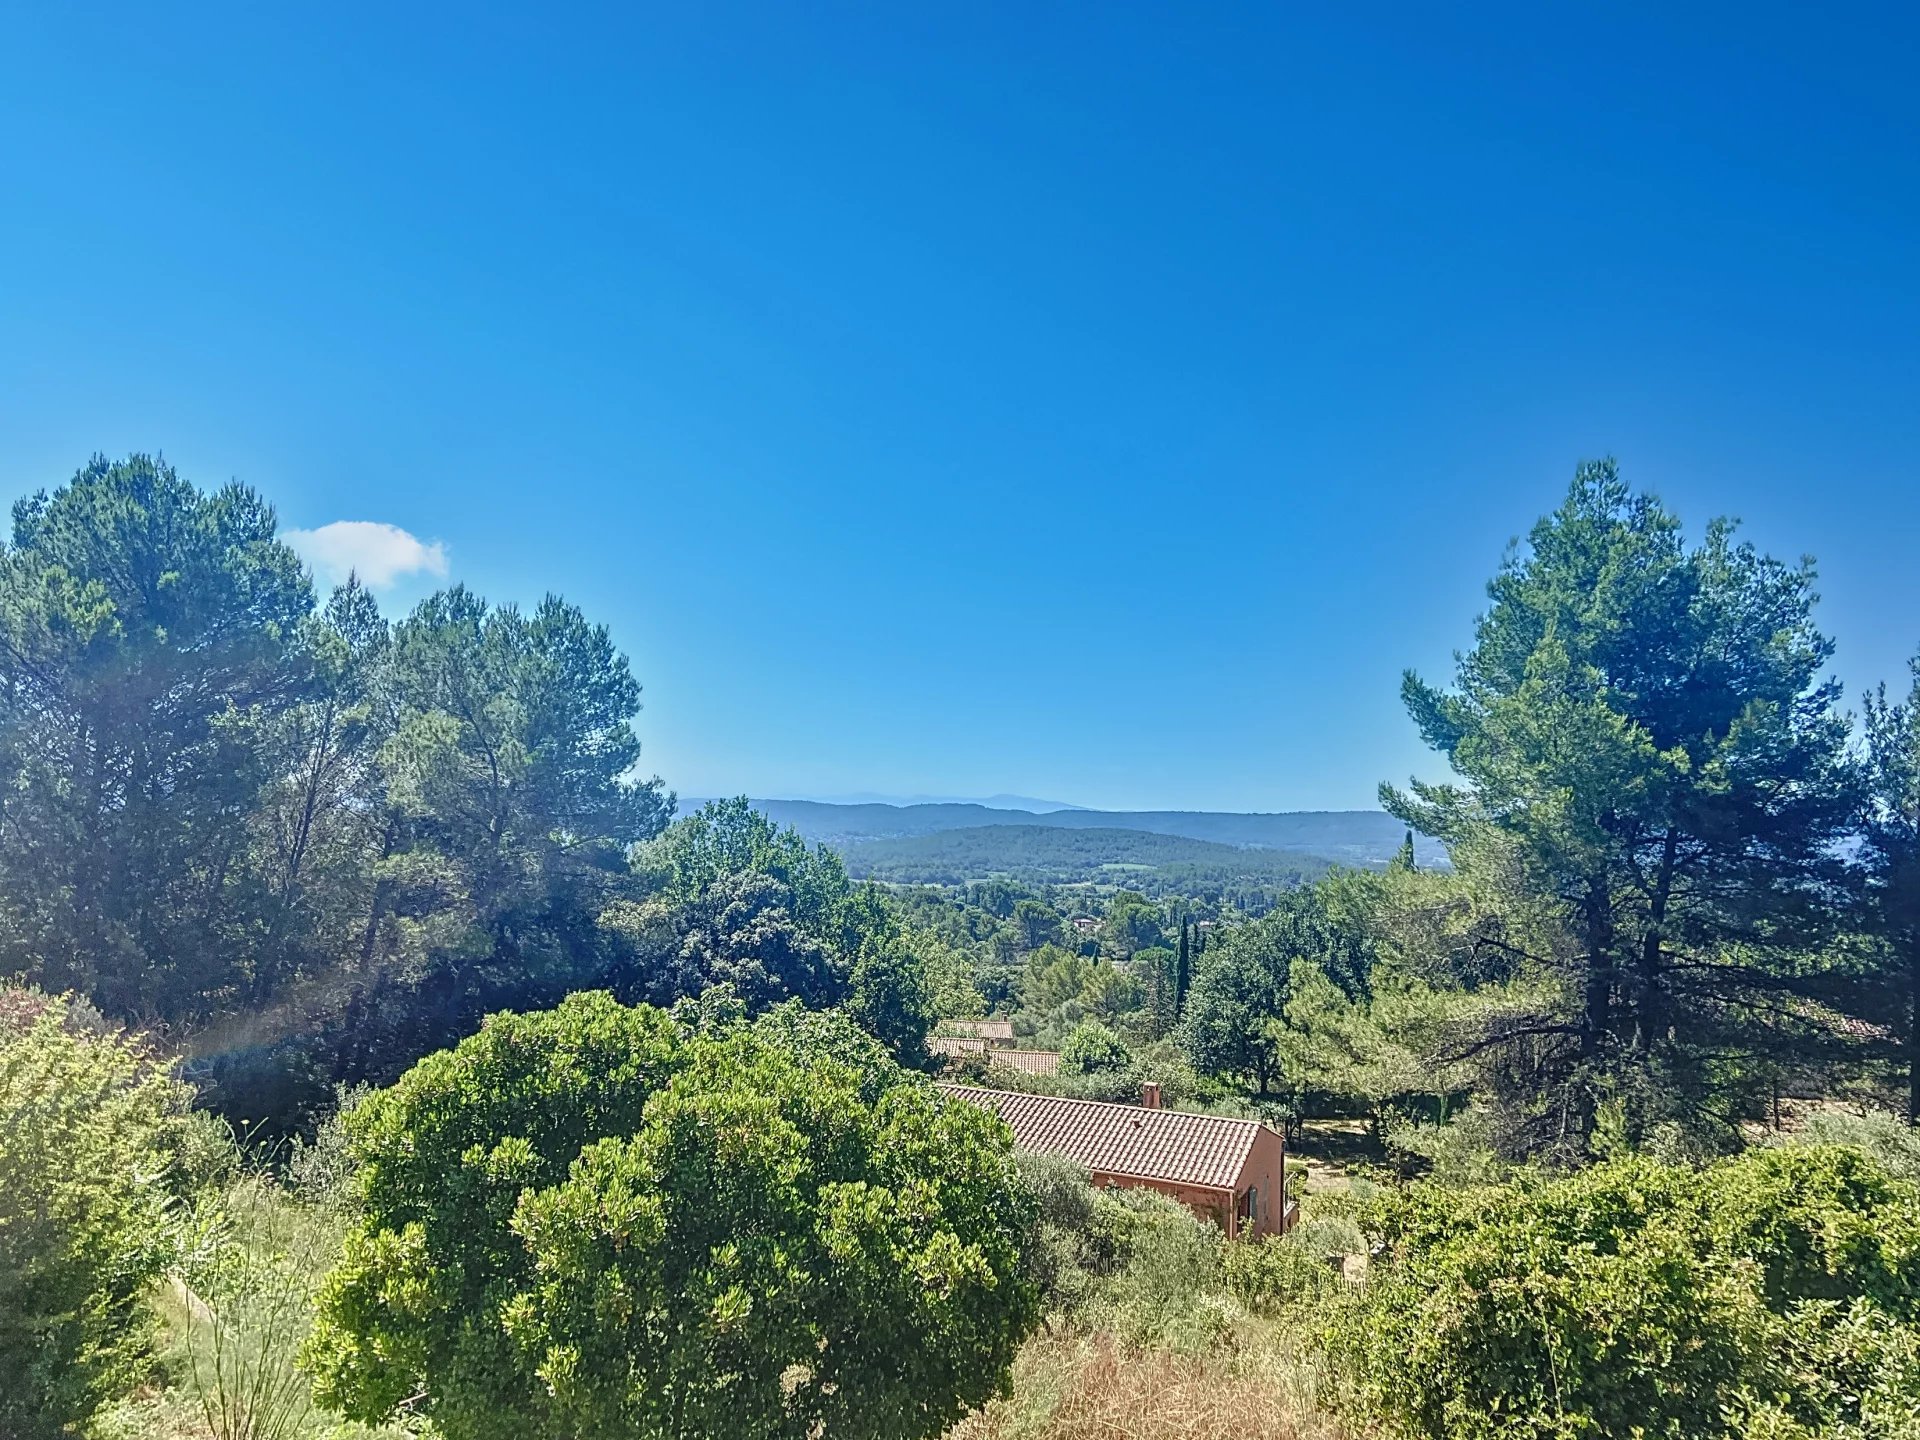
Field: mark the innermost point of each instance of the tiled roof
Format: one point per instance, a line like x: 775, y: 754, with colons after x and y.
x: 1126, y: 1140
x: 983, y: 1029
x: 956, y: 1045
x: 1033, y: 1062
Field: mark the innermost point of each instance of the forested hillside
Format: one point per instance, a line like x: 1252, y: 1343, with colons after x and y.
x: 1352, y: 837
x: 1172, y: 864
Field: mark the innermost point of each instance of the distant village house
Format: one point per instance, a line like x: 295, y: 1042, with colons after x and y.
x: 991, y: 1032
x: 1028, y: 1062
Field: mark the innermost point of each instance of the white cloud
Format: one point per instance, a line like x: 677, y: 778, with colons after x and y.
x: 379, y: 554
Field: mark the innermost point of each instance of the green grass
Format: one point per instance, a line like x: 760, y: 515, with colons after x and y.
x: 233, y: 1318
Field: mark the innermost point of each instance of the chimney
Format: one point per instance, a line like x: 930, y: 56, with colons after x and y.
x: 1150, y: 1094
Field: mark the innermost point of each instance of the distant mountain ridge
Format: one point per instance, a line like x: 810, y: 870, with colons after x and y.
x: 1027, y: 803
x: 1353, y: 837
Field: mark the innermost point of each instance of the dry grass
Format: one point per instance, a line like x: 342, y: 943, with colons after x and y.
x: 1069, y: 1387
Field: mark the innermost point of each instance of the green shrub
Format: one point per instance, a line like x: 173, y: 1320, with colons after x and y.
x: 1844, y: 1373
x: 1063, y: 1255
x: 1461, y: 1152
x: 1167, y: 1283
x: 1819, y: 1223
x: 1278, y: 1272
x: 1638, y: 1299
x: 321, y: 1171
x: 588, y: 1222
x: 91, y: 1134
x: 1091, y: 1047
x: 207, y: 1155
x: 1328, y: 1234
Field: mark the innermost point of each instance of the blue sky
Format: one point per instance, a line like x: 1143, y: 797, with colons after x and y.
x: 1094, y: 402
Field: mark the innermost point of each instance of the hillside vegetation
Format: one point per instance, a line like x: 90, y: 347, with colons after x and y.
x: 381, y: 1058
x: 1352, y: 837
x: 1173, y: 863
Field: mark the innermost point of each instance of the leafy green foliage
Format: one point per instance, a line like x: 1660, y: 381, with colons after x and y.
x: 1232, y: 1024
x: 1038, y: 923
x: 1633, y: 1298
x: 892, y: 997
x: 1276, y: 1273
x: 1055, y: 978
x: 1893, y: 1144
x: 258, y: 1258
x: 1090, y: 1047
x: 1133, y: 924
x: 588, y: 1221
x: 1171, y: 1290
x: 1064, y: 1252
x: 325, y: 843
x: 149, y: 633
x: 735, y: 900
x: 1892, y: 853
x: 90, y: 1133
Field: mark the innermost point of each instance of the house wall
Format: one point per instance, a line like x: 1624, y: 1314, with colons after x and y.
x: 1266, y: 1171
x: 1207, y: 1203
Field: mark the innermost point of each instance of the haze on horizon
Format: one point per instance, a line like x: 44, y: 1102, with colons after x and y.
x: 969, y: 400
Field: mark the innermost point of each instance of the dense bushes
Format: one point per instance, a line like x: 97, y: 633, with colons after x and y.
x: 1139, y: 1266
x: 597, y: 1221
x: 90, y: 1137
x: 1641, y: 1299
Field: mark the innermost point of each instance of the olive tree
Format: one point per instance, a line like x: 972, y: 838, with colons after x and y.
x: 590, y: 1221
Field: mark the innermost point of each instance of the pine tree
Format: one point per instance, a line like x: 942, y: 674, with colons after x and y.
x: 1893, y: 864
x: 1645, y: 741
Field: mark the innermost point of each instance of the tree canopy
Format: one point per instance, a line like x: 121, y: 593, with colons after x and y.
x: 734, y: 899
x: 151, y: 632
x: 591, y: 1221
x: 1642, y: 729
x: 316, y: 844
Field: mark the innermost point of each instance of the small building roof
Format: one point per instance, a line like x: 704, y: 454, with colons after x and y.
x: 1032, y: 1062
x: 956, y: 1045
x: 983, y: 1029
x: 1124, y: 1140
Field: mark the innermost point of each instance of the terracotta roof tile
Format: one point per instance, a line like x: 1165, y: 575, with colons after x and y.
x: 956, y: 1045
x: 1031, y: 1062
x: 1125, y: 1140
